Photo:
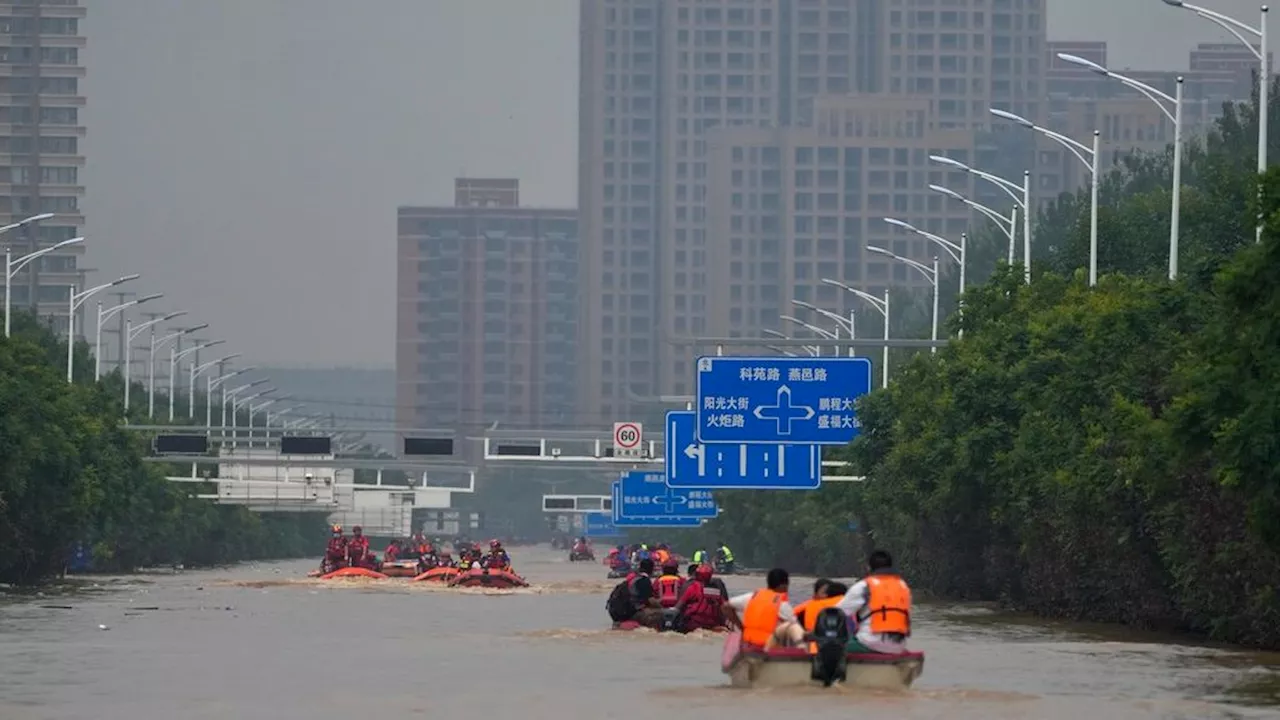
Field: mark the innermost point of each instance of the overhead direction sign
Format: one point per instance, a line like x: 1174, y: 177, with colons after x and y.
x: 780, y: 400
x: 645, y: 494
x: 690, y: 464
x: 668, y: 521
x: 627, y: 439
x: 600, y: 525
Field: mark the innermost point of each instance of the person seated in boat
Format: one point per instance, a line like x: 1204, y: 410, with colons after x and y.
x: 497, y: 559
x: 821, y: 592
x: 335, y: 552
x: 445, y: 559
x: 881, y: 605
x: 701, y: 605
x: 358, y: 554
x: 766, y: 616
x: 661, y: 556
x: 580, y: 547
x: 724, y: 558
x: 646, y: 610
x: 392, y: 552
x: 826, y: 593
x: 669, y: 586
x: 699, y: 556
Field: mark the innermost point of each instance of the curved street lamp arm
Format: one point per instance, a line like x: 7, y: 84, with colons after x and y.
x: 926, y: 270
x: 18, y: 264
x: 1009, y: 187
x: 814, y: 328
x: 876, y: 302
x: 843, y: 322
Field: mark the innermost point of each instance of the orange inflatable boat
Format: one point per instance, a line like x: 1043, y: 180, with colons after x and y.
x: 439, y: 575
x: 478, y: 577
x: 354, y: 572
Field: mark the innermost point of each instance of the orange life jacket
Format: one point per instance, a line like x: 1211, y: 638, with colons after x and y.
x: 888, y: 607
x: 811, y: 610
x: 760, y: 618
x: 668, y: 588
x: 661, y: 556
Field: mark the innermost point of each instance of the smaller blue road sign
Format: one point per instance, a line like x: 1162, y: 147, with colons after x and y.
x: 690, y: 464
x: 599, y: 525
x: 645, y: 494
x: 667, y: 521
x: 774, y: 400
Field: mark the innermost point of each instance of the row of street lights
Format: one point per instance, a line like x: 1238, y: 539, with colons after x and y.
x: 1089, y: 155
x: 172, y: 340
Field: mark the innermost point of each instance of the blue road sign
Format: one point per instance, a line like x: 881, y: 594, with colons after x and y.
x: 668, y: 521
x: 599, y: 525
x: 645, y: 494
x: 690, y: 464
x: 780, y: 400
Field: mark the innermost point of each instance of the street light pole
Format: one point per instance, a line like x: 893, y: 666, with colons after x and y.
x: 175, y: 337
x: 1080, y: 150
x: 104, y: 316
x: 175, y: 356
x: 1174, y: 116
x: 75, y: 299
x: 1021, y: 195
x: 1237, y: 30
x: 880, y: 305
x: 130, y: 333
x: 12, y: 266
x: 930, y: 274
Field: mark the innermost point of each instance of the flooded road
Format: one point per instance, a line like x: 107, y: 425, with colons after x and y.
x: 259, y: 641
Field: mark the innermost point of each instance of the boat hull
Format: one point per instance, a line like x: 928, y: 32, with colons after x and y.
x: 437, y: 575
x: 488, y: 578
x: 400, y: 568
x: 792, y: 667
x: 354, y: 572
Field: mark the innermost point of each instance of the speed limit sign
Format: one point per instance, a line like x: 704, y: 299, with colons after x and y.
x: 627, y: 437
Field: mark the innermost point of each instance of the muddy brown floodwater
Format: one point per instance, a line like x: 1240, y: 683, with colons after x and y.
x: 260, y: 641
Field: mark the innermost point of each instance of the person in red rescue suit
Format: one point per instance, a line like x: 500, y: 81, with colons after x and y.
x: 702, y: 602
x: 358, y: 549
x: 497, y: 559
x: 669, y: 586
x: 335, y: 553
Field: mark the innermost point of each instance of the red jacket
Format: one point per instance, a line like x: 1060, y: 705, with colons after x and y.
x: 703, y: 604
x: 358, y: 545
x: 337, y: 547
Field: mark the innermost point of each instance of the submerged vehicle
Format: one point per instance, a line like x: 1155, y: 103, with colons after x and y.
x: 484, y: 577
x: 825, y: 662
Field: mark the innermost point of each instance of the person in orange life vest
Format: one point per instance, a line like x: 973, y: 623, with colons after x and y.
x: 828, y: 595
x: 358, y: 548
x: 881, y: 604
x: 335, y: 553
x: 820, y: 592
x: 766, y: 617
x: 701, y: 603
x: 669, y: 586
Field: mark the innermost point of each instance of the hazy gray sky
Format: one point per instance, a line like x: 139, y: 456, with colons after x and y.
x: 247, y: 156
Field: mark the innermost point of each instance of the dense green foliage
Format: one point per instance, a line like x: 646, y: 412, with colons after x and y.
x: 1107, y: 453
x: 69, y: 473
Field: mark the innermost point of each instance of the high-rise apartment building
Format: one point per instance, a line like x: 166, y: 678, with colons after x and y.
x: 487, y: 310
x: 658, y: 75
x: 792, y: 206
x: 41, y: 131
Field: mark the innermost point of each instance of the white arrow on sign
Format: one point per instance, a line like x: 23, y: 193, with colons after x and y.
x: 699, y: 453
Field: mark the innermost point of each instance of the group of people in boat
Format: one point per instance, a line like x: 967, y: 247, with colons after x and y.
x: 342, y: 552
x: 624, y: 558
x: 878, y: 606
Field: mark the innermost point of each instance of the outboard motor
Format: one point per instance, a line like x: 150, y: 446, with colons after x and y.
x: 671, y: 621
x: 831, y: 634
